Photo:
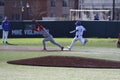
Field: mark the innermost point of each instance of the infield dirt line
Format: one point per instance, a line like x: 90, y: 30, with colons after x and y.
x: 38, y: 49
x: 28, y: 49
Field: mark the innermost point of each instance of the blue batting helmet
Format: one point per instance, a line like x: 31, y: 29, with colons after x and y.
x: 78, y: 23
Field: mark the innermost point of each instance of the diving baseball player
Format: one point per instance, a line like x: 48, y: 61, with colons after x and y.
x: 79, y: 35
x: 47, y: 36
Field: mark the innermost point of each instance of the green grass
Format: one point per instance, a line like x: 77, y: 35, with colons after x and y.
x: 96, y: 48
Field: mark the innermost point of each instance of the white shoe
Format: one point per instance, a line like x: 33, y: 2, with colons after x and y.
x: 68, y: 47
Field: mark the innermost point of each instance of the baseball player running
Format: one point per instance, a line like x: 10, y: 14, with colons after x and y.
x: 47, y: 36
x: 79, y: 35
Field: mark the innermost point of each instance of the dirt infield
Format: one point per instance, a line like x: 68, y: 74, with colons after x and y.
x: 67, y: 61
x: 27, y: 49
x: 63, y: 61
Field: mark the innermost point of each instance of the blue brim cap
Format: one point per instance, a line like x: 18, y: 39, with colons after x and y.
x: 78, y: 23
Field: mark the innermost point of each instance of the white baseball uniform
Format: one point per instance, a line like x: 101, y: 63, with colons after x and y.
x: 78, y: 36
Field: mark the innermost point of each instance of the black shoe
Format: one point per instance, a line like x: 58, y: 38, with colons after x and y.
x: 7, y: 42
x: 62, y: 48
x: 85, y: 42
x: 44, y: 49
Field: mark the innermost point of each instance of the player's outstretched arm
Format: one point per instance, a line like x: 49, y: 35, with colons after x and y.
x: 73, y: 31
x: 35, y: 29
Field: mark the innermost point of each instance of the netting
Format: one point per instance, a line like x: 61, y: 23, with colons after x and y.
x: 90, y: 14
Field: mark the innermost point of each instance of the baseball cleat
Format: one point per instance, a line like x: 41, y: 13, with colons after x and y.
x: 68, y: 48
x: 44, y: 49
x: 85, y: 41
x: 62, y: 48
x: 6, y: 42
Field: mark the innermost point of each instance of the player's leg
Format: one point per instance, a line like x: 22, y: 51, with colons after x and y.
x: 55, y: 43
x: 72, y: 43
x: 3, y: 37
x: 6, y: 37
x: 82, y: 40
x: 44, y: 43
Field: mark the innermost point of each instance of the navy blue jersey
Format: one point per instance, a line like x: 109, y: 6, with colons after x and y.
x: 6, y: 25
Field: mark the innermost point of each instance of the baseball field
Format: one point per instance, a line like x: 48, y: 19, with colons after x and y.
x: 30, y: 48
